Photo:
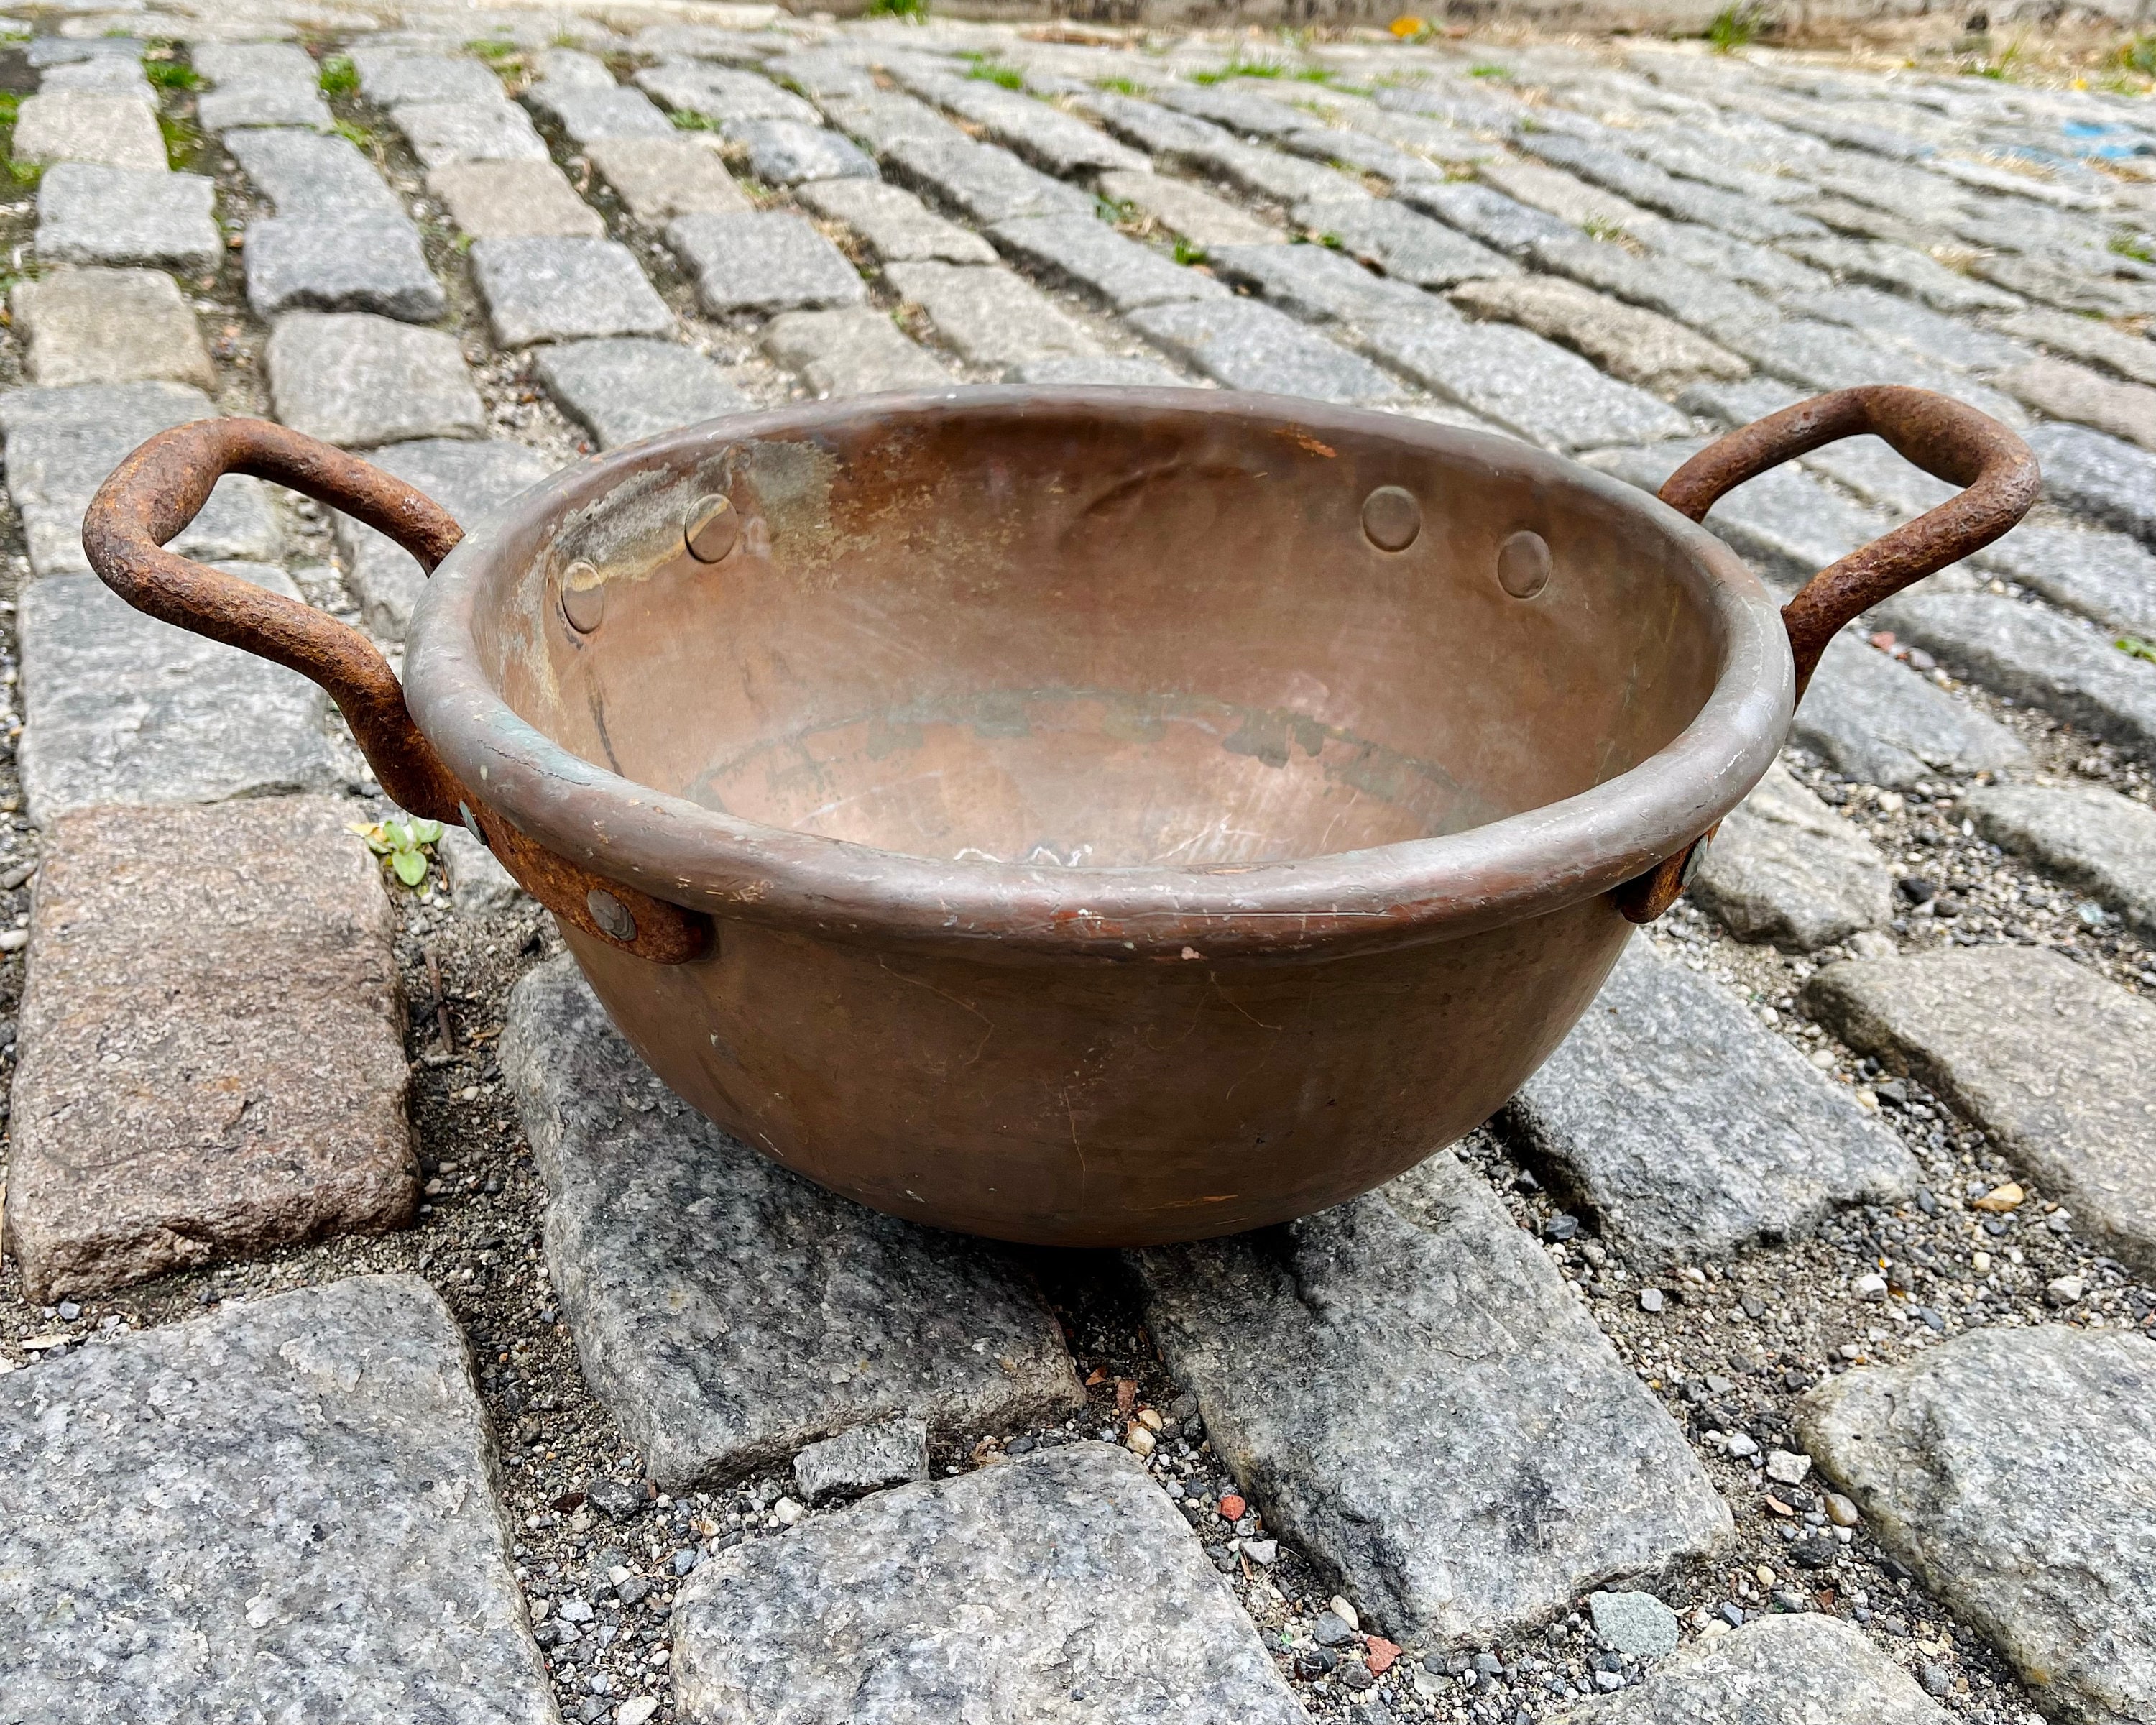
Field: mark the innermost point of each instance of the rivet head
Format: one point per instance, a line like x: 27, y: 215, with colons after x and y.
x: 1392, y: 518
x: 583, y: 596
x: 712, y: 528
x: 611, y: 914
x: 1523, y: 565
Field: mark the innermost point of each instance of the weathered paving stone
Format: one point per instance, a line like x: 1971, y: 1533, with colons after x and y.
x: 469, y: 479
x: 1338, y: 146
x: 1518, y: 381
x: 1408, y: 1389
x: 2062, y: 390
x: 302, y: 174
x: 1317, y: 283
x: 1636, y: 345
x: 1088, y: 254
x: 235, y: 1523
x: 869, y: 1458
x: 1950, y: 342
x: 83, y: 125
x: 1286, y: 180
x: 1801, y: 1670
x: 1063, y: 1585
x: 63, y: 443
x: 854, y: 350
x: 1565, y: 196
x: 624, y: 389
x: 789, y: 152
x: 986, y: 183
x: 1716, y: 307
x: 545, y: 289
x: 727, y: 1311
x: 1692, y: 1132
x: 355, y: 379
x: 660, y: 178
x: 881, y: 119
x: 1247, y: 112
x: 1682, y: 200
x: 1875, y: 719
x: 586, y: 112
x: 107, y: 74
x: 494, y: 130
x: 479, y: 885
x: 1786, y: 868
x: 2087, y: 339
x: 2048, y: 1058
x: 390, y: 76
x: 722, y: 93
x: 896, y: 225
x: 2095, y: 838
x: 2106, y: 577
x: 1406, y: 246
x: 212, y: 1043
x: 1204, y: 220
x: 1099, y: 370
x: 1485, y: 214
x: 1634, y: 1623
x: 92, y: 326
x: 1061, y: 143
x: 88, y: 214
x: 2094, y: 475
x: 764, y: 260
x: 990, y: 316
x: 514, y: 200
x: 340, y: 264
x: 1247, y: 346
x: 2061, y: 663
x: 2014, y: 1470
x: 258, y: 85
x: 122, y: 708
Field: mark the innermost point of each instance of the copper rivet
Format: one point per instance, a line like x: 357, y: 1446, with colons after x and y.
x: 1391, y: 518
x: 712, y: 529
x: 1523, y: 565
x: 583, y: 596
x: 611, y: 914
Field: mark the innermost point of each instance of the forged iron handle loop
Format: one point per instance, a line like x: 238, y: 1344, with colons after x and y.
x: 148, y: 499
x: 1949, y: 440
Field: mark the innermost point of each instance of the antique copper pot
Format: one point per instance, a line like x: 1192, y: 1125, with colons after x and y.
x: 1097, y: 817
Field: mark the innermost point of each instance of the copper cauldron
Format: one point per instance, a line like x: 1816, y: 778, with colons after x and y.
x: 1097, y: 817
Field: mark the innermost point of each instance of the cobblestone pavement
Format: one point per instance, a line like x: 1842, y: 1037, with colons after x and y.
x: 378, y: 1340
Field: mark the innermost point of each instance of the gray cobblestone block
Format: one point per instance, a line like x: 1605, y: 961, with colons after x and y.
x: 285, y: 63
x: 63, y: 443
x: 2108, y: 577
x: 660, y: 178
x: 1566, y: 196
x: 767, y: 260
x: 469, y: 131
x: 355, y: 379
x: 1405, y: 245
x: 469, y: 479
x: 91, y: 325
x: 1205, y: 221
x: 1683, y: 200
x: 1361, y: 1371
x: 1246, y: 112
x: 884, y: 118
x: 1764, y: 268
x: 894, y: 224
x: 88, y: 214
x: 567, y: 67
x: 1317, y: 283
x: 1099, y: 370
x: 117, y: 132
x: 1785, y: 868
x: 823, y: 73
x: 624, y: 390
x: 1426, y: 137
x: 585, y: 112
x: 2066, y: 288
x: 1953, y: 343
x: 1691, y: 296
x: 1148, y: 126
x: 107, y: 74
x: 240, y: 1443
x: 787, y: 152
x: 1356, y: 151
x: 773, y: 1337
x: 709, y: 42
x: 2068, y: 667
x: 390, y: 77
x: 1248, y: 346
x: 120, y: 708
x: 1628, y: 343
x: 1517, y: 380
x: 721, y: 92
x: 1485, y: 214
x: 544, y: 289
x: 2089, y: 340
x: 2046, y: 1056
x: 1740, y: 402
x: 2099, y: 477
x: 302, y: 174
x: 1901, y: 269
x: 2092, y: 837
x: 1875, y: 719
x: 514, y: 200
x: 43, y: 51
x: 1047, y: 137
x: 1083, y: 252
x: 235, y: 107
x: 991, y: 316
x: 853, y: 351
x: 869, y: 1458
x: 1691, y: 1130
x: 1262, y: 172
x: 888, y: 1611
x: 2060, y: 389
x: 1455, y: 103
x: 986, y: 183
x: 1823, y: 355
x: 340, y: 264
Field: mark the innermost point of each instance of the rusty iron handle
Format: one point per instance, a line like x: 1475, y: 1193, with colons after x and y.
x: 1948, y: 440
x: 148, y: 499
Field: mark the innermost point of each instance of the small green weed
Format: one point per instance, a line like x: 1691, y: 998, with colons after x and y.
x: 1120, y: 87
x: 2138, y: 56
x: 182, y: 140
x: 898, y: 8
x: 338, y: 77
x: 1735, y: 27
x: 1010, y: 77
x: 172, y: 75
x: 1502, y: 73
x: 2134, y: 246
x: 402, y: 844
x: 1602, y: 227
x: 496, y: 52
x: 1239, y: 68
x: 1186, y: 253
x: 358, y: 137
x: 2133, y: 647
x: 686, y: 120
